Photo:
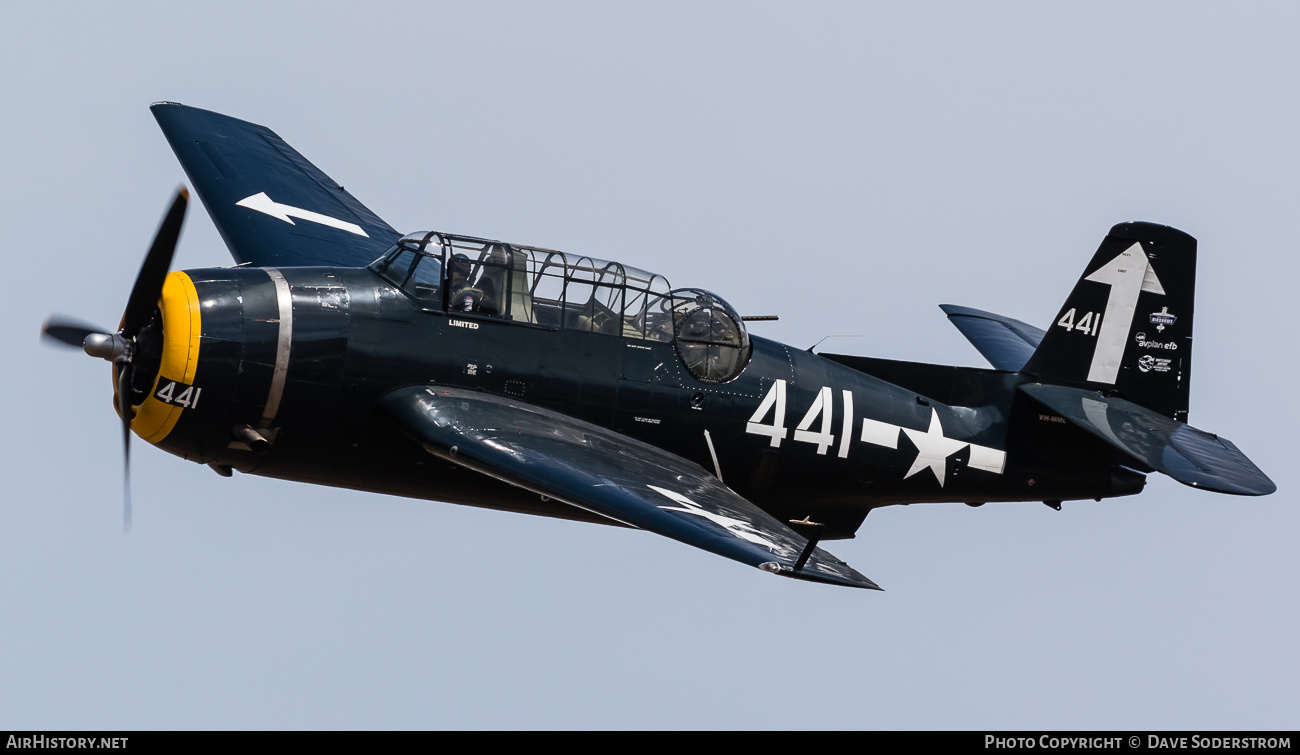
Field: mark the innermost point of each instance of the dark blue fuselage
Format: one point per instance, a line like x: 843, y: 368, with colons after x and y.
x: 799, y: 434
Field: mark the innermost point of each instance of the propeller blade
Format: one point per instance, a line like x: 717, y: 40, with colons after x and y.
x: 119, y: 348
x: 67, y: 331
x: 149, y: 283
x: 124, y: 374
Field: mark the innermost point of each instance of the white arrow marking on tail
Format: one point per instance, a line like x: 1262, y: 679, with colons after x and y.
x: 1128, y: 275
x: 264, y: 204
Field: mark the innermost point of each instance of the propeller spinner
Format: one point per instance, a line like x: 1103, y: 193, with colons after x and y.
x: 131, y: 349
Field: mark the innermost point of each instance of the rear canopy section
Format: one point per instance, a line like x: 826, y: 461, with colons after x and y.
x: 272, y: 207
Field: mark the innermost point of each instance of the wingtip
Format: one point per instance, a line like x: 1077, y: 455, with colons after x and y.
x: 870, y: 584
x: 862, y: 583
x: 805, y: 575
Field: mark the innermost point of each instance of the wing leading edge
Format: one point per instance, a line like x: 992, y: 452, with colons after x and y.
x: 610, y: 474
x: 272, y: 207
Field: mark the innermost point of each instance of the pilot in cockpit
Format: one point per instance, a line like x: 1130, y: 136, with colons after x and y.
x: 464, y: 297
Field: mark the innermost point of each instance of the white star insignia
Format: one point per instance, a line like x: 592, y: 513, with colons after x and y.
x: 933, y: 448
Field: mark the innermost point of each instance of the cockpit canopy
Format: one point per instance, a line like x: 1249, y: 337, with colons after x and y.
x: 546, y: 288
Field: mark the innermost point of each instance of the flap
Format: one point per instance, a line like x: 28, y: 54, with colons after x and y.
x: 272, y: 207
x: 601, y: 471
x: 1193, y: 457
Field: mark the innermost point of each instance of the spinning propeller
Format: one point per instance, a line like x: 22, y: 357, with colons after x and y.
x: 136, y: 348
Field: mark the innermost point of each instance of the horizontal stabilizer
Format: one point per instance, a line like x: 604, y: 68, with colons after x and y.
x: 1006, y: 343
x: 1193, y: 457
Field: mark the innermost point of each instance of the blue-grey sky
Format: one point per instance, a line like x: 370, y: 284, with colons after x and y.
x: 913, y: 154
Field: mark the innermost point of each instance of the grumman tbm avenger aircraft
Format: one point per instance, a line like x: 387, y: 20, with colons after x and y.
x: 452, y: 368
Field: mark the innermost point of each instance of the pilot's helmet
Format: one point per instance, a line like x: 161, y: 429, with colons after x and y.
x: 460, y: 264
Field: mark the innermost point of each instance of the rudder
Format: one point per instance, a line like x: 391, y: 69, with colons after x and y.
x: 1127, y: 325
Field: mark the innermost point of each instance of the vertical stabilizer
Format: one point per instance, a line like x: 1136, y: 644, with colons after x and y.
x: 1127, y: 325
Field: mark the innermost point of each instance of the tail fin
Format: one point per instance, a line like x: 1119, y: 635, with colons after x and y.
x: 1127, y: 325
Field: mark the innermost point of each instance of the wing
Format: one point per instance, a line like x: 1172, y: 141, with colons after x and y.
x: 1191, y: 456
x: 604, y: 472
x: 1005, y: 342
x: 272, y: 207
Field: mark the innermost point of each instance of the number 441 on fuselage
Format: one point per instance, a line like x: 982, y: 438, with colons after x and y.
x: 492, y: 374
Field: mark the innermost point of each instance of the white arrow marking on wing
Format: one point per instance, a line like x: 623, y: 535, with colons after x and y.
x: 264, y: 204
x: 741, y: 529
